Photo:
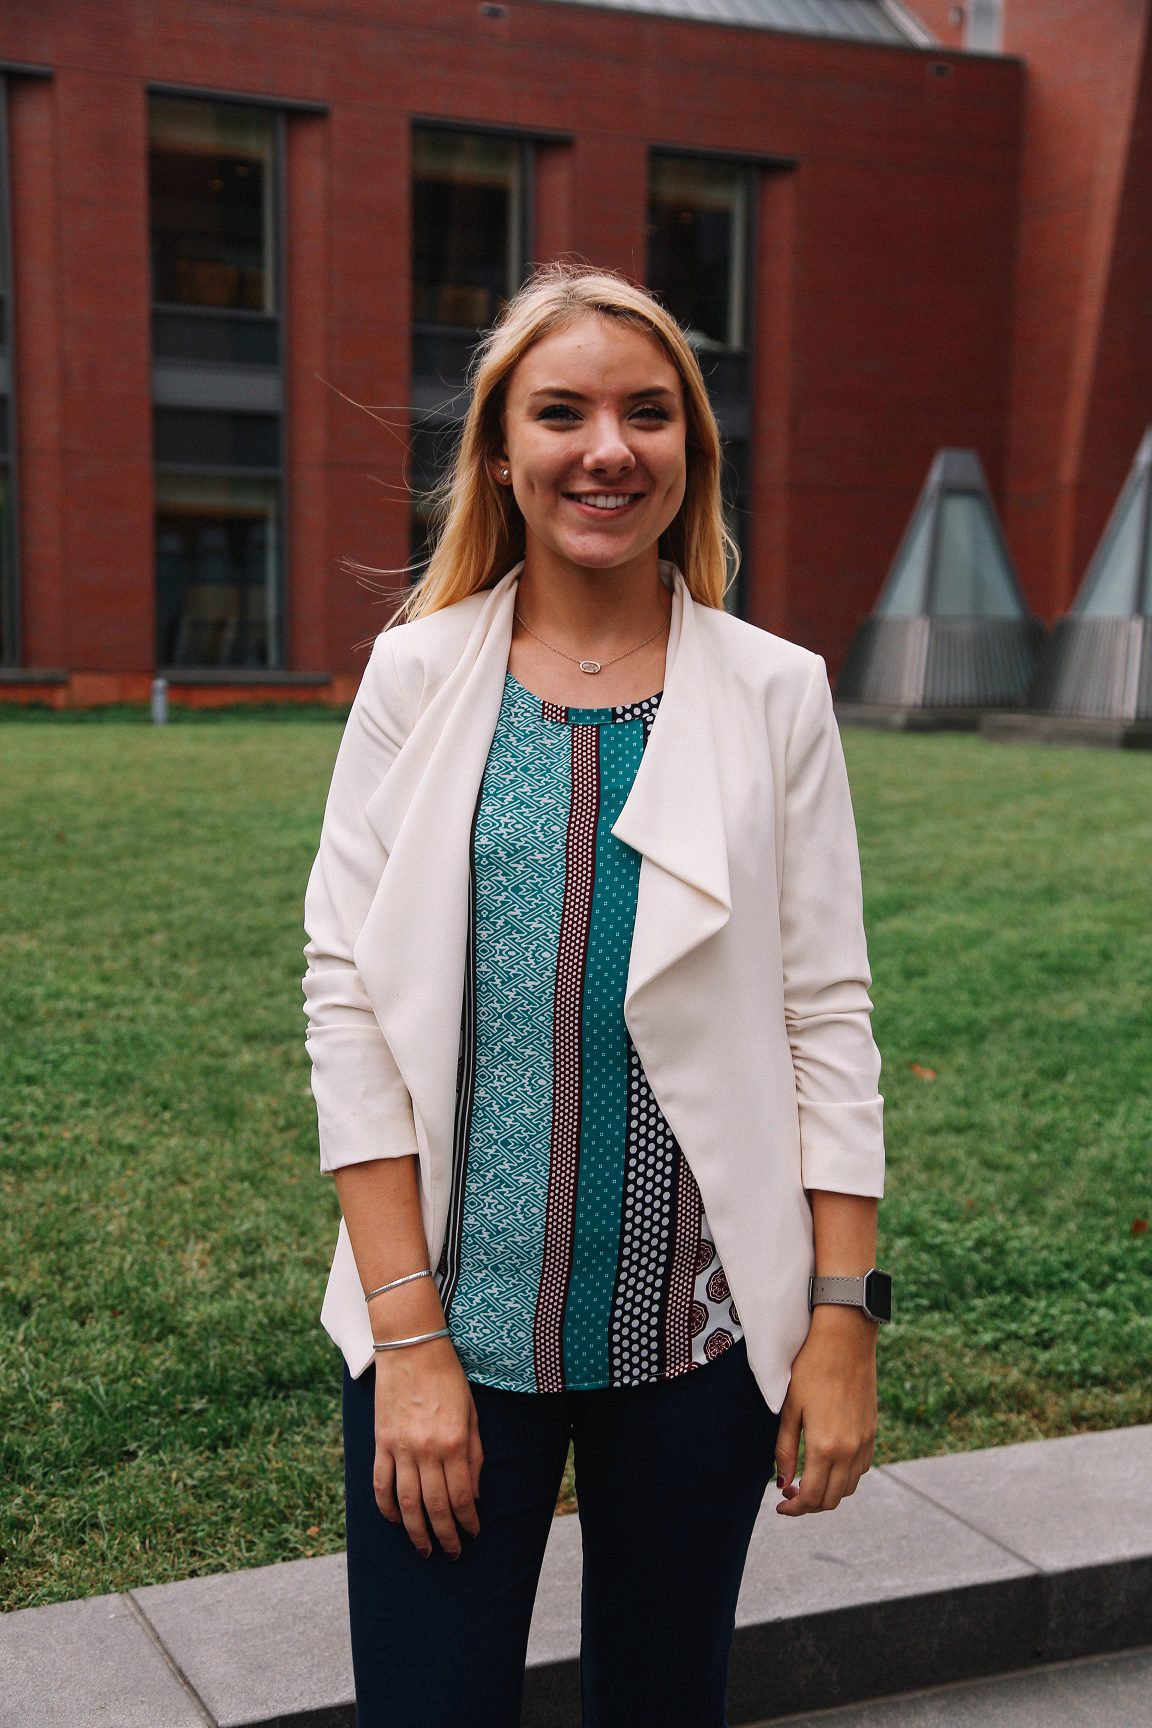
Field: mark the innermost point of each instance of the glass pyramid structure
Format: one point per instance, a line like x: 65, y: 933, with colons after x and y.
x: 950, y: 629
x: 1098, y: 662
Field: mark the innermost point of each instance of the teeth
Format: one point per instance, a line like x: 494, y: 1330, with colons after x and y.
x: 606, y: 500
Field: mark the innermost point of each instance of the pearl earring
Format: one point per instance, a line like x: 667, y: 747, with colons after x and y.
x: 504, y: 473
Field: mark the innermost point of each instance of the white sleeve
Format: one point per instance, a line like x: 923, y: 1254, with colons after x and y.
x: 826, y: 977
x: 363, y: 1107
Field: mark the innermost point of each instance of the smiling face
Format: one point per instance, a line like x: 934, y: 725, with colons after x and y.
x: 594, y: 441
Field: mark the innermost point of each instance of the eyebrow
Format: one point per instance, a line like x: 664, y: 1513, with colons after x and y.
x: 558, y: 393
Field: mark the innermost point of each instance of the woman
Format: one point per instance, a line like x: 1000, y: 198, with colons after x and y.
x: 589, y: 1024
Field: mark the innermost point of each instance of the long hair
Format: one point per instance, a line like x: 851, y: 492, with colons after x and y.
x: 477, y: 526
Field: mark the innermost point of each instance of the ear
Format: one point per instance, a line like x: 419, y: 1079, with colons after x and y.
x: 500, y: 469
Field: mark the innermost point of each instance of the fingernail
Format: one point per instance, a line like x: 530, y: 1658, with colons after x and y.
x: 424, y: 1553
x: 454, y: 1556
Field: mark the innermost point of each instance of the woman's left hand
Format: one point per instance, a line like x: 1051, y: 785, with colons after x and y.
x: 832, y: 1402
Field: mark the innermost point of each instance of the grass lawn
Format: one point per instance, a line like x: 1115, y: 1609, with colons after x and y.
x: 170, y: 1403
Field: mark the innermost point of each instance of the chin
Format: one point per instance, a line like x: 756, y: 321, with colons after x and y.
x: 608, y: 558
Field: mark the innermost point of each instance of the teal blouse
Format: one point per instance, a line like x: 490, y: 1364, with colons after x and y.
x: 578, y: 1255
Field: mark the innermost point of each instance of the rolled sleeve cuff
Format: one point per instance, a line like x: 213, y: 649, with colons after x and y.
x: 364, y: 1110
x: 842, y: 1147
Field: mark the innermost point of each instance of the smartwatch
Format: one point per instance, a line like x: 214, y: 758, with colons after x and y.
x: 872, y: 1293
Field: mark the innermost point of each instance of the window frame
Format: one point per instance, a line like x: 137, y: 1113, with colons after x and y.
x: 228, y: 386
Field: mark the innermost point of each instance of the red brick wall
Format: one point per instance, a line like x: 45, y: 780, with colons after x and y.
x: 883, y: 320
x: 1081, y: 371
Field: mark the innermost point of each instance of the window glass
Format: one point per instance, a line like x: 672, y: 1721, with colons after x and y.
x: 468, y: 252
x: 212, y: 199
x: 216, y: 571
x: 697, y: 249
x: 905, y: 593
x: 973, y: 577
x: 467, y: 230
x: 216, y: 438
x: 431, y: 449
x: 1112, y: 588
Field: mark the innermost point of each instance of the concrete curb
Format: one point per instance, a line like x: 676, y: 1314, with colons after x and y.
x: 939, y: 1570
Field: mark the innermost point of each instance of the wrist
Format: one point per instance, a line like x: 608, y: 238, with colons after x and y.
x: 436, y: 1356
x: 829, y: 1318
x: 417, y: 1340
x: 405, y: 1313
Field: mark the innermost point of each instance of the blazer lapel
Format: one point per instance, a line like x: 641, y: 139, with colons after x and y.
x: 673, y: 815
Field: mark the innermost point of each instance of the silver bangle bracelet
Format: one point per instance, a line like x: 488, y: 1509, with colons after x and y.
x: 420, y: 1338
x: 408, y: 1278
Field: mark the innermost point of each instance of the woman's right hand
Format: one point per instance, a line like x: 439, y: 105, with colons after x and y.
x: 428, y: 1452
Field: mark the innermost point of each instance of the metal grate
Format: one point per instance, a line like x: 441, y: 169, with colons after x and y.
x: 1096, y: 668
x: 941, y: 662
x: 851, y: 20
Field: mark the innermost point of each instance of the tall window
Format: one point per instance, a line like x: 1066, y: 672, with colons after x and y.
x: 469, y: 245
x: 9, y: 647
x: 467, y: 241
x: 217, y: 342
x: 698, y: 247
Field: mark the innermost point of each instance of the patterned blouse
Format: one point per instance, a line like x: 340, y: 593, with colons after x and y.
x: 578, y: 1255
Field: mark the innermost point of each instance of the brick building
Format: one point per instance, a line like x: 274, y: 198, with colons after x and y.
x: 244, y: 252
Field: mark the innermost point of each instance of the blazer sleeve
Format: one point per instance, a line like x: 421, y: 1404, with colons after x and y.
x: 826, y: 976
x: 363, y: 1108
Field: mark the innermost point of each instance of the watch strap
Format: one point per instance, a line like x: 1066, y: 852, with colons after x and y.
x: 844, y: 1292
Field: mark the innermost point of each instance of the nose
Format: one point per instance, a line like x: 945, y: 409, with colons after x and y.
x: 608, y: 450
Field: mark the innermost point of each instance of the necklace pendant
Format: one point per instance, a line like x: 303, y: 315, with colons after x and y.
x: 589, y: 665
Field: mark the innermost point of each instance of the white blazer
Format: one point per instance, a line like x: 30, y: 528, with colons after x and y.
x: 747, y: 993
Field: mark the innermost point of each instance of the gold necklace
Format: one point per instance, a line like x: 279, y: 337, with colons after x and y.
x: 590, y: 666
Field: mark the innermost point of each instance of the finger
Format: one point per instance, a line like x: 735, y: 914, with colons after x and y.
x: 787, y: 1443
x: 841, y: 1483
x: 825, y: 1482
x: 384, y: 1485
x: 787, y: 1494
x: 411, y: 1504
x: 818, y: 1468
x: 458, y: 1478
x: 812, y: 1487
x: 475, y: 1452
x: 438, y: 1505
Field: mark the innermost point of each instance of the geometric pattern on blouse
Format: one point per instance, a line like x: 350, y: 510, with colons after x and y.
x: 577, y: 1253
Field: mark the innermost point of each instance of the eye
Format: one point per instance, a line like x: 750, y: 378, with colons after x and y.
x: 651, y: 411
x: 557, y: 411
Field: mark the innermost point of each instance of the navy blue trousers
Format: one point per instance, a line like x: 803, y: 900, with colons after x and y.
x: 669, y: 1478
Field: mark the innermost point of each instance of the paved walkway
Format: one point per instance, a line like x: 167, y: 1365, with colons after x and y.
x: 938, y: 1573
x: 1102, y: 1692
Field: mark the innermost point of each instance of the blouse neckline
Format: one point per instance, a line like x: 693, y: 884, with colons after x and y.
x: 559, y: 713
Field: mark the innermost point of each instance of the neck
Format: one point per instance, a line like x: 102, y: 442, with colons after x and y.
x: 593, y: 608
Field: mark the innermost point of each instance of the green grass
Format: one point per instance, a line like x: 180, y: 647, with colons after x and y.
x: 170, y: 1404
x: 1008, y: 901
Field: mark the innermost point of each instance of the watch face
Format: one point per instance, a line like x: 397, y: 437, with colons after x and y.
x: 878, y: 1295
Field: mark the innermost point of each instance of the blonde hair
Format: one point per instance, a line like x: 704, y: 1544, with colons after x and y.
x: 477, y: 525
